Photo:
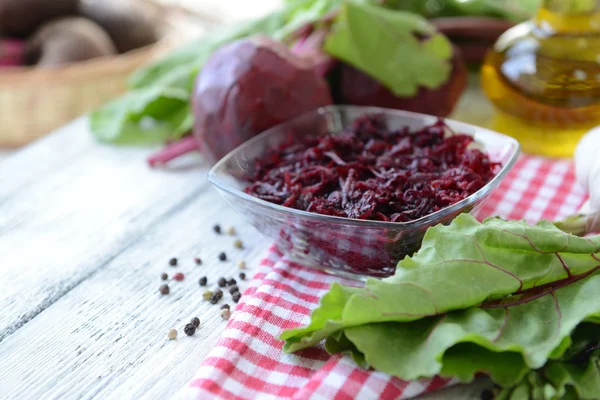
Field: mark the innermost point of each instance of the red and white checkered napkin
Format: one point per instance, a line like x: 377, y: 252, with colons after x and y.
x: 248, y: 362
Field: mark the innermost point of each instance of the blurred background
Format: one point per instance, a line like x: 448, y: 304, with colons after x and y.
x: 46, y: 80
x: 62, y: 58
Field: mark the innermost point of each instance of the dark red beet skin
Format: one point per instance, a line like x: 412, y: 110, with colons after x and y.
x: 357, y: 88
x: 249, y: 86
x: 370, y: 172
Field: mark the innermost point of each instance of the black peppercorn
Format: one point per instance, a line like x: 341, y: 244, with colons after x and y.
x: 203, y: 281
x: 217, y: 229
x: 242, y: 275
x: 234, y: 289
x: 195, y: 321
x: 164, y: 276
x: 236, y: 296
x: 164, y: 289
x: 222, y: 256
x: 189, y: 329
x: 231, y: 282
x: 221, y: 282
x: 219, y: 293
x: 225, y: 306
x: 198, y: 260
x: 173, y: 262
x: 214, y: 299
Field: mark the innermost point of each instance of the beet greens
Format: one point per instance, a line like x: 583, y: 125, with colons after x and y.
x: 498, y: 297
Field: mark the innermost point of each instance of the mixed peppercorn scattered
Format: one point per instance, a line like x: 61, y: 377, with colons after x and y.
x: 212, y: 297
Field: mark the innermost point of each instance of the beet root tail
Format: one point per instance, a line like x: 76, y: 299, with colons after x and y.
x: 173, y: 150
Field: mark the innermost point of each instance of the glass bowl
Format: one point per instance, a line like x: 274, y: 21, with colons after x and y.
x: 348, y: 247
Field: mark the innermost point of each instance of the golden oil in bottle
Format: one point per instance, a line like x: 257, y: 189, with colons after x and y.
x: 543, y: 76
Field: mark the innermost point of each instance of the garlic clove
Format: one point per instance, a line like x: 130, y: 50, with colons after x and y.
x: 593, y: 186
x: 587, y: 158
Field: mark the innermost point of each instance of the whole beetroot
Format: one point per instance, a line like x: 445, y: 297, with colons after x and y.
x: 244, y: 88
x: 249, y: 86
x: 20, y: 18
x: 357, y: 88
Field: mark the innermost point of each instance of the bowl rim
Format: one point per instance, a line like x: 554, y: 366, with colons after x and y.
x: 417, y: 223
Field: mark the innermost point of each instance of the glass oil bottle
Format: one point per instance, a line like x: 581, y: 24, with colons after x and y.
x: 543, y: 76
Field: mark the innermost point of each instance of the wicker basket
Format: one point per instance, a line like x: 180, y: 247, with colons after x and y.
x: 35, y: 101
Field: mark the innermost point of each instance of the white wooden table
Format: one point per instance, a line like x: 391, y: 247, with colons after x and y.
x: 85, y: 232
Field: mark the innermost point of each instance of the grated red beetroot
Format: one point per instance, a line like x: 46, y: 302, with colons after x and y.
x: 370, y: 172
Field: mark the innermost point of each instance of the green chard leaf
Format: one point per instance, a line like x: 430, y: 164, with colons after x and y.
x: 558, y: 379
x: 504, y: 343
x: 385, y: 44
x: 325, y: 320
x: 459, y: 266
x: 499, y: 297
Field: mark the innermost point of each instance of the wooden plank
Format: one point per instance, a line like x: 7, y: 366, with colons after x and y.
x: 54, y: 151
x: 70, y: 220
x: 107, y: 336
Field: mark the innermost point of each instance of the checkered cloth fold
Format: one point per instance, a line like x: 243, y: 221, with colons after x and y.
x: 248, y: 363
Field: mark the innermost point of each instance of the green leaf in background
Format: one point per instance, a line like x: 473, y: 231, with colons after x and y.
x: 511, y: 10
x: 163, y: 110
x: 167, y: 85
x: 385, y: 45
x: 299, y: 12
x: 363, y: 23
x: 193, y: 55
x: 458, y: 266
